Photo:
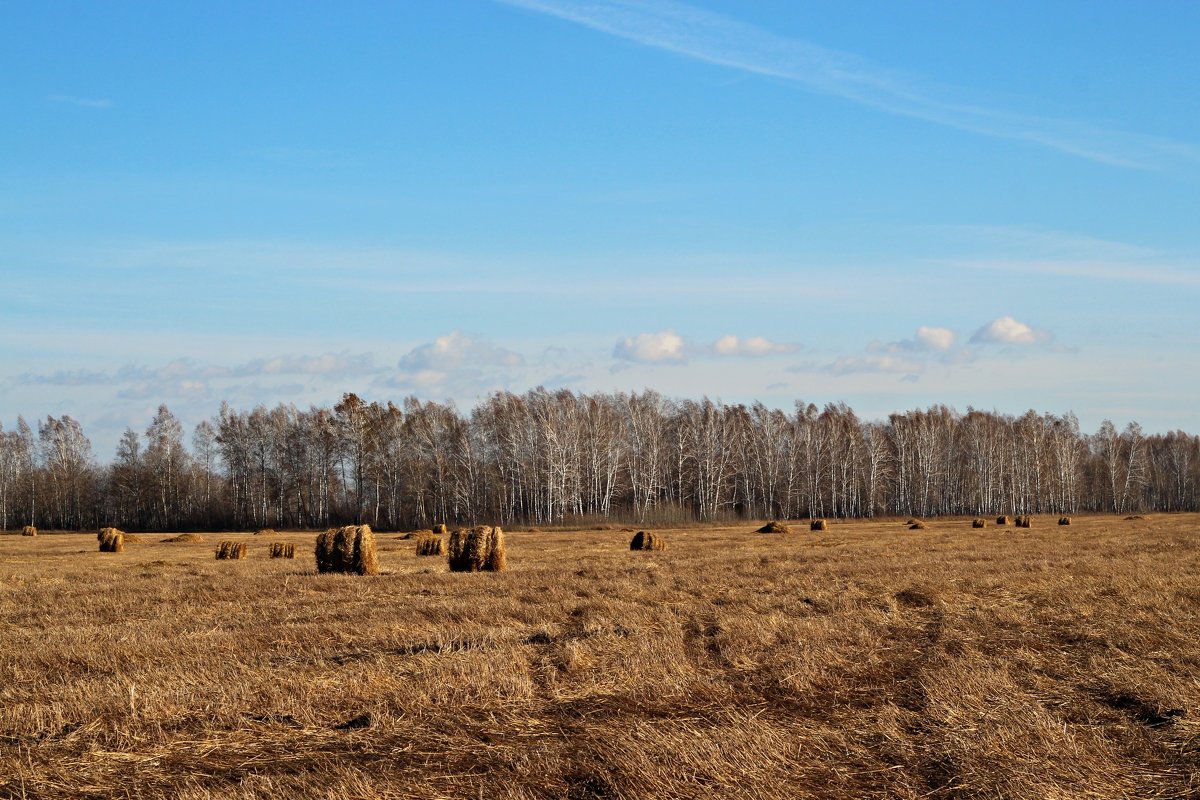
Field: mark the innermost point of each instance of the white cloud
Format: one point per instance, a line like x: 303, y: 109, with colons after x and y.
x: 752, y: 346
x: 456, y: 350
x: 936, y: 338
x: 1006, y: 330
x: 705, y: 36
x: 456, y: 365
x: 664, y: 347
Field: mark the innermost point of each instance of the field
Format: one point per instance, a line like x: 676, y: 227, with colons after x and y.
x: 864, y: 661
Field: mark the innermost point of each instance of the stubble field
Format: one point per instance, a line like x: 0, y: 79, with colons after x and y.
x: 866, y: 661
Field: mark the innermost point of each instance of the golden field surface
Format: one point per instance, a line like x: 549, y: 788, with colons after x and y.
x: 865, y: 661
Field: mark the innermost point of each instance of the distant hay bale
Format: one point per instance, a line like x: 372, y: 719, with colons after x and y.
x: 430, y: 545
x: 265, y: 532
x: 105, y: 532
x: 480, y: 549
x: 1136, y: 517
x: 1064, y: 520
x: 1024, y: 521
x: 113, y: 541
x: 774, y: 527
x: 819, y: 525
x: 228, y: 550
x: 418, y: 534
x: 917, y: 526
x: 645, y: 540
x: 912, y: 521
x: 350, y: 549
x: 440, y: 529
x: 1004, y: 520
x: 183, y: 537
x: 29, y: 530
x: 283, y: 550
x: 978, y: 523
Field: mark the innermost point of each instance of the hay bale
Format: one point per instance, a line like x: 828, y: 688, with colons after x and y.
x: 183, y: 537
x: 113, y: 541
x: 480, y: 549
x: 105, y: 532
x: 350, y: 549
x: 430, y: 545
x: 917, y: 526
x: 645, y: 540
x: 774, y: 527
x: 1024, y: 521
x: 265, y: 532
x: 229, y: 550
x: 1136, y: 517
x: 283, y: 550
x: 819, y: 525
x: 133, y: 538
x: 979, y: 522
x: 440, y: 529
x: 911, y: 521
x: 1064, y: 520
x: 1004, y: 520
x: 29, y: 530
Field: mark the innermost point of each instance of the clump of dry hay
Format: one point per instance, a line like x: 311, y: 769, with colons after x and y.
x: 133, y: 538
x: 228, y: 550
x: 265, y: 532
x: 979, y: 522
x: 819, y: 525
x: 430, y: 545
x: 29, y: 530
x: 645, y: 540
x: 112, y: 541
x: 440, y: 529
x: 774, y: 527
x: 283, y: 550
x: 917, y: 526
x: 1064, y: 520
x: 418, y: 534
x: 183, y: 537
x: 1004, y: 520
x: 350, y: 549
x: 106, y: 532
x: 480, y: 549
x: 1024, y: 521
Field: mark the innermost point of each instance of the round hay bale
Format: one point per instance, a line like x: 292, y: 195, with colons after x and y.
x: 440, y: 529
x: 645, y: 540
x: 480, y: 549
x: 283, y: 550
x: 430, y: 545
x: 1064, y: 520
x: 113, y: 541
x: 29, y: 530
x: 349, y: 549
x: 774, y: 527
x: 1024, y: 521
x: 819, y: 525
x: 1004, y: 520
x: 917, y: 526
x: 979, y: 522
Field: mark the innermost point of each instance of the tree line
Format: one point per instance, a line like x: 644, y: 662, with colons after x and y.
x: 546, y: 457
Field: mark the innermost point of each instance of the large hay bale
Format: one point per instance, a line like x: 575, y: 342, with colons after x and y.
x: 480, y: 549
x: 1064, y: 520
x: 112, y: 542
x: 183, y: 537
x: 1004, y: 520
x: 774, y: 527
x: 439, y: 529
x: 430, y: 545
x: 645, y: 540
x: 1024, y: 521
x: 106, y: 532
x: 283, y: 550
x: 917, y: 526
x: 350, y: 549
x: 229, y: 550
x: 29, y: 530
x: 979, y: 522
x: 819, y: 525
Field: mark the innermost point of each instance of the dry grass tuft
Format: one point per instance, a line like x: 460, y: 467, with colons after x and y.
x: 979, y: 522
x: 112, y: 541
x: 229, y: 550
x: 819, y: 525
x: 29, y: 530
x: 1004, y: 520
x: 1064, y: 520
x: 350, y: 549
x: 431, y: 545
x: 774, y: 527
x: 1024, y: 521
x: 645, y: 540
x: 480, y: 549
x: 283, y: 550
x: 183, y: 537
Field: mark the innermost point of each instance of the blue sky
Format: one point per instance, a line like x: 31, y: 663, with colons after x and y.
x: 986, y: 204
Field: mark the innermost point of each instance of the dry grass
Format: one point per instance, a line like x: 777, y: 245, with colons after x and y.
x: 644, y: 540
x: 868, y: 663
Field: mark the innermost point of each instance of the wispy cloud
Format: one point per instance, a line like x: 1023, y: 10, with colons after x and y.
x: 751, y: 346
x: 1009, y: 331
x: 662, y: 347
x: 705, y: 36
x: 668, y: 347
x: 80, y: 102
x: 458, y: 366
